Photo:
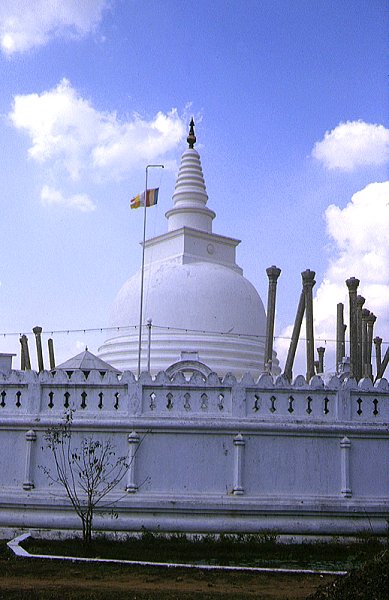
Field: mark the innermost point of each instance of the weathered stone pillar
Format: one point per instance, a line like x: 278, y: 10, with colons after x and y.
x: 273, y: 274
x: 37, y: 331
x: 344, y: 341
x: 22, y: 357
x: 308, y: 283
x: 28, y: 483
x: 345, y: 446
x: 25, y: 356
x: 339, y: 335
x: 370, y: 326
x: 352, y: 285
x: 239, y: 445
x: 321, y: 352
x: 50, y: 344
x: 360, y: 301
x: 365, y: 316
x: 133, y: 440
x: 384, y: 364
x: 295, y: 337
x: 377, y: 343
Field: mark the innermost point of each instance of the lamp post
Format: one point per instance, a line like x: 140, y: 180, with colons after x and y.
x: 143, y: 267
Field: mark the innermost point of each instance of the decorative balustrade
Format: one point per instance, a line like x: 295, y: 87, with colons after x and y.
x: 94, y: 393
x: 83, y: 399
x: 238, y: 451
x: 13, y: 398
x: 369, y: 408
x: 186, y: 402
x: 302, y: 406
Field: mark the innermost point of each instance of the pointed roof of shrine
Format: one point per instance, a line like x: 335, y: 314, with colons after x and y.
x: 86, y: 361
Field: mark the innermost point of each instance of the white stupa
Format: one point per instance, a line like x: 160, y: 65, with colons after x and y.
x: 201, y: 306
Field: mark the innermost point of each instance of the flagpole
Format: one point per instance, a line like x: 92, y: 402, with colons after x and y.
x: 143, y: 268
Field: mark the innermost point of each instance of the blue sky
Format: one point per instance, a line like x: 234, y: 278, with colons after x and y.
x: 291, y: 107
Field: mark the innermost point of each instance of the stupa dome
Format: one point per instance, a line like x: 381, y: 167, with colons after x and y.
x: 199, y: 296
x: 200, y: 305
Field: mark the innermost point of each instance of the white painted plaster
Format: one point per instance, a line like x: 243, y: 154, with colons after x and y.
x: 204, y: 440
x: 194, y: 292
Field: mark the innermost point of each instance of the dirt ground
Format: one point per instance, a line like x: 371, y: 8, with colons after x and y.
x: 46, y: 580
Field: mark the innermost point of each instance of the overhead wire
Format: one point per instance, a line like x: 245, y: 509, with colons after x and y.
x: 167, y: 328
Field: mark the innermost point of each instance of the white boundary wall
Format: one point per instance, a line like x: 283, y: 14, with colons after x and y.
x: 214, y: 455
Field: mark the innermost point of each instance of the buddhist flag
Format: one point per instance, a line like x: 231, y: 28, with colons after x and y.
x: 139, y: 200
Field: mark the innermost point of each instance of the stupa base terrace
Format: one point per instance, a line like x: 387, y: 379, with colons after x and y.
x: 205, y: 454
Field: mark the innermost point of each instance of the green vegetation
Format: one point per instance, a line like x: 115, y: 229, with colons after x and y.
x: 34, y: 579
x: 369, y: 582
x: 255, y: 550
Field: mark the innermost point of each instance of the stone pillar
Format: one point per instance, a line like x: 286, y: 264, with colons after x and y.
x: 384, y: 364
x: 239, y: 445
x: 308, y: 283
x: 321, y: 352
x: 377, y: 343
x: 352, y: 285
x: 370, y: 326
x: 28, y: 483
x: 50, y: 344
x: 295, y: 337
x: 365, y: 317
x: 133, y: 440
x: 273, y: 274
x: 344, y: 341
x: 360, y: 301
x: 22, y: 357
x: 345, y: 446
x: 37, y: 331
x: 25, y: 357
x: 339, y: 335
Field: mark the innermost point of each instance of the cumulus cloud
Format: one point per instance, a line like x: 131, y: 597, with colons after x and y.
x: 66, y: 131
x: 360, y: 231
x: 360, y: 235
x: 25, y: 24
x: 352, y: 145
x: 53, y: 197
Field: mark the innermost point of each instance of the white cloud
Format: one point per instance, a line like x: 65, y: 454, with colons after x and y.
x: 360, y: 232
x: 353, y: 144
x: 53, y: 197
x: 25, y: 24
x: 68, y: 133
x: 122, y: 145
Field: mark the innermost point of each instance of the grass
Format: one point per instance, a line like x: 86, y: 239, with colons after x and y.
x: 34, y: 579
x: 254, y: 550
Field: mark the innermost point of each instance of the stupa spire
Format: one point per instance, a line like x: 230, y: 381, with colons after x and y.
x: 190, y: 194
x: 191, y: 139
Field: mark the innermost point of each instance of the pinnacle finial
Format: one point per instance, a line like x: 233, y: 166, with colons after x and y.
x: 191, y: 139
